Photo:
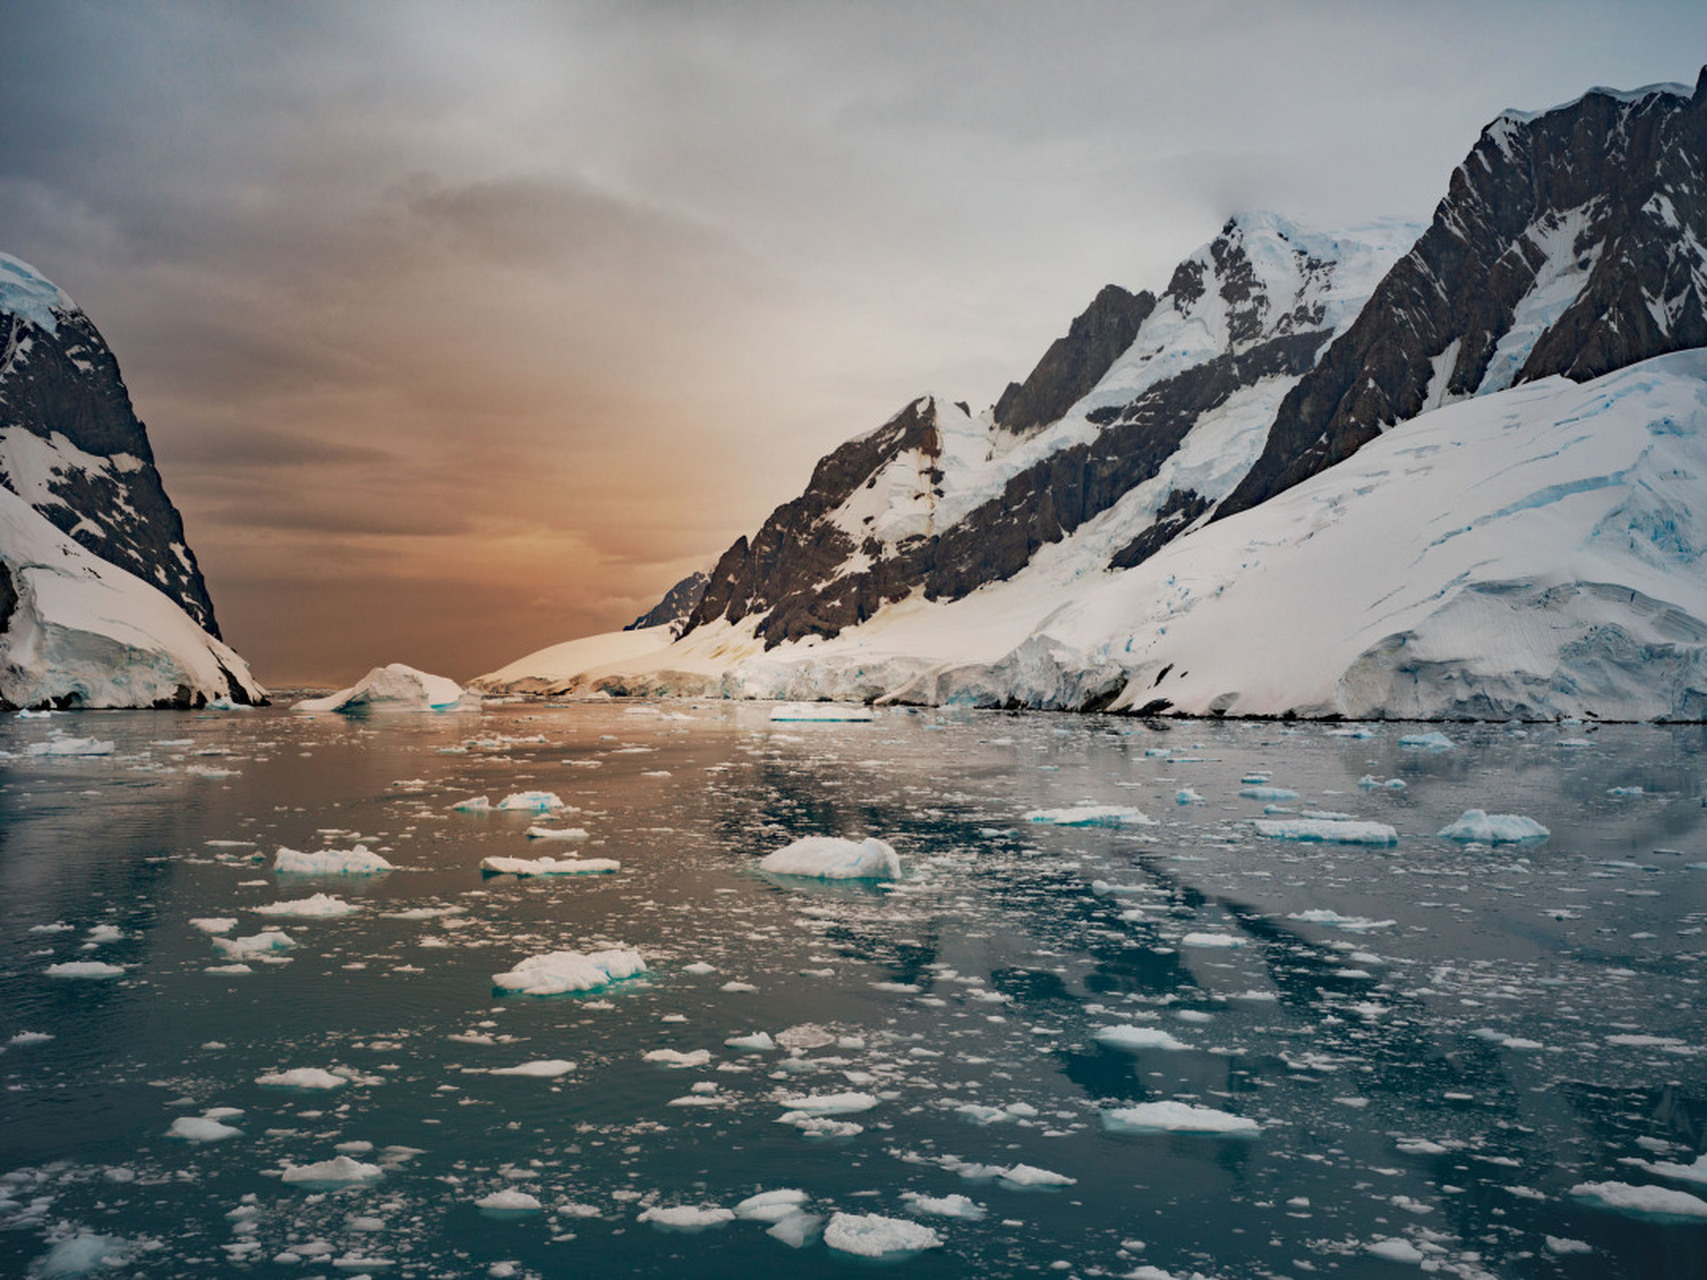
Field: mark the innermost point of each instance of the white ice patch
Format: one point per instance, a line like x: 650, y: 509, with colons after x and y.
x: 508, y: 1201
x: 1177, y: 1117
x: 338, y: 1171
x: 558, y: 972
x: 1494, y: 828
x: 687, y: 1217
x: 1091, y: 815
x: 315, y: 1078
x: 1644, y: 1202
x: 821, y: 711
x: 84, y: 969
x: 549, y: 866
x: 1326, y: 831
x: 391, y: 688
x: 870, y: 1235
x: 319, y: 907
x: 949, y: 1206
x: 359, y: 861
x: 1134, y: 1039
x: 831, y: 858
x: 201, y: 1129
x: 531, y: 801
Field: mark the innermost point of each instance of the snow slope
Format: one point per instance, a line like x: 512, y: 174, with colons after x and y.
x: 1532, y: 552
x: 78, y: 631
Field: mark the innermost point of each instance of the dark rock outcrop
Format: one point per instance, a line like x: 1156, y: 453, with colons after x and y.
x: 1601, y: 203
x: 71, y: 446
x: 676, y: 607
x: 1073, y: 365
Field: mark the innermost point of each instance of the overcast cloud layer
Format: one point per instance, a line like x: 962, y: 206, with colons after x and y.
x: 460, y: 330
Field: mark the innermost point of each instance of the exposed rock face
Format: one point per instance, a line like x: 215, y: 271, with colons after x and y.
x: 71, y: 445
x: 1073, y: 365
x: 676, y: 607
x: 940, y: 503
x: 1569, y: 242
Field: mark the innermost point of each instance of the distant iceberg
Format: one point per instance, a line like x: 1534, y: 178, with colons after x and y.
x: 1494, y: 828
x: 391, y: 688
x: 830, y: 858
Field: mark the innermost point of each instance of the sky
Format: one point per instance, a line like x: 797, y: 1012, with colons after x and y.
x: 463, y: 329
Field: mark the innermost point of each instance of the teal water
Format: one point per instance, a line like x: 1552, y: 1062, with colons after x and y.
x: 1482, y: 1031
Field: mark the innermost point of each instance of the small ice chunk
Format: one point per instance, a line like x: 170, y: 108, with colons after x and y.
x: 1494, y: 828
x: 1187, y: 795
x: 1221, y: 940
x: 797, y: 1230
x: 84, y: 969
x: 474, y: 804
x: 676, y: 1059
x: 337, y: 1171
x: 508, y: 1200
x: 821, y: 711
x: 1268, y: 793
x: 1176, y: 1117
x: 201, y: 1129
x: 830, y: 1104
x: 549, y: 866
x: 1091, y: 815
x: 267, y: 940
x: 1326, y: 830
x: 758, y: 1042
x: 1646, y: 1202
x: 543, y: 1069
x: 870, y: 1235
x: 531, y: 801
x: 949, y: 1206
x: 771, y: 1206
x: 321, y: 906
x: 1696, y: 1172
x: 359, y: 861
x: 699, y: 968
x: 557, y: 972
x: 1133, y: 1038
x: 30, y: 1037
x: 1395, y: 1250
x: 557, y: 833
x: 1352, y: 924
x: 71, y: 747
x: 301, y: 1078
x: 687, y: 1217
x: 831, y: 858
x: 1435, y: 741
x: 215, y: 924
x: 1029, y: 1175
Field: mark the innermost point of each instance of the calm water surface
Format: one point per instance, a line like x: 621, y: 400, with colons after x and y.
x: 1434, y: 1067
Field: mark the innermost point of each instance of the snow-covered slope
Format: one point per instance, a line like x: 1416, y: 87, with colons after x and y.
x: 99, y: 582
x: 942, y: 501
x: 1535, y: 552
x: 77, y: 631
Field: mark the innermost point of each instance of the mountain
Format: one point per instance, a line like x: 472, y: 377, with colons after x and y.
x: 101, y: 600
x: 676, y: 607
x: 1221, y: 518
x: 1570, y: 242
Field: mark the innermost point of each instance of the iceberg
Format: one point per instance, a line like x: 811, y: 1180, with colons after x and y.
x: 531, y: 801
x: 1091, y: 815
x: 1326, y: 830
x: 687, y: 1217
x: 830, y: 858
x: 559, y: 972
x: 391, y: 688
x: 548, y: 866
x: 321, y: 906
x: 301, y: 1078
x: 336, y: 1172
x: 871, y: 1235
x: 1177, y: 1117
x: 1133, y: 1039
x: 359, y: 861
x: 508, y: 1201
x: 1494, y: 828
x: 1646, y: 1202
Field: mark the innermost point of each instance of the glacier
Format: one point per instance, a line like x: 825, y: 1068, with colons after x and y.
x: 1530, y: 553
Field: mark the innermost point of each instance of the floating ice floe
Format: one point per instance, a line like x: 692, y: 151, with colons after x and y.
x: 1646, y: 1202
x: 1370, y: 782
x: 771, y: 1206
x: 321, y: 906
x: 1325, y: 831
x: 359, y: 861
x: 508, y: 1201
x: 1696, y: 1172
x: 677, y: 1059
x: 1177, y: 1117
x: 687, y: 1217
x: 392, y: 688
x: 821, y: 711
x: 301, y: 1078
x: 949, y: 1206
x: 30, y: 1037
x: 268, y: 940
x: 201, y: 1129
x: 1187, y: 795
x: 531, y: 801
x: 71, y: 747
x: 829, y: 1104
x: 758, y: 1042
x: 1395, y: 1249
x: 1212, y: 940
x: 1030, y: 1176
x: 557, y: 833
x: 559, y: 972
x: 1494, y: 828
x: 1133, y: 1039
x: 474, y: 804
x: 1268, y: 793
x: 871, y: 1235
x: 1091, y: 815
x: 549, y: 866
x: 338, y: 1171
x: 1333, y: 919
x: 84, y: 969
x: 831, y: 858
x: 1433, y: 741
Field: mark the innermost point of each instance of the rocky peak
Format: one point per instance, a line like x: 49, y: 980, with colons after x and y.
x: 72, y: 447
x: 1570, y: 241
x: 1076, y: 363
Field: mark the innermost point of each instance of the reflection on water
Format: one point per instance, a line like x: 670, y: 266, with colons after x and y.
x: 1440, y: 1042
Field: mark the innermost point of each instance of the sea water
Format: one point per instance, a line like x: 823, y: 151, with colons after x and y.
x: 1477, y: 1059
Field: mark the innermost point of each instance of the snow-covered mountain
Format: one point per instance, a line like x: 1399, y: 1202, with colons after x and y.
x: 101, y: 599
x: 1534, y: 551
